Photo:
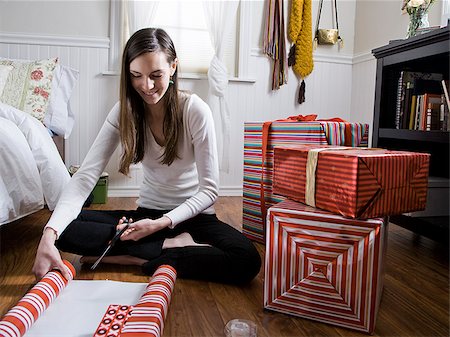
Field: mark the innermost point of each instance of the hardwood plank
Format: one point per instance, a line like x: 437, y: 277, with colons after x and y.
x: 415, y: 301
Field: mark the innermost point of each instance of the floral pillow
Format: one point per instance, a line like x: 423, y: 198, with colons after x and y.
x: 28, y: 85
x: 4, y: 72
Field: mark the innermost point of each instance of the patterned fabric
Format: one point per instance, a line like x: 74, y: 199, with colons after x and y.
x: 4, y: 73
x: 146, y: 318
x: 282, y: 133
x: 20, y: 318
x: 29, y: 86
x: 274, y: 44
x: 355, y: 183
x: 324, y: 267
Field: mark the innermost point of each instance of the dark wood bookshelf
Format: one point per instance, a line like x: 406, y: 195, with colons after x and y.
x: 428, y: 53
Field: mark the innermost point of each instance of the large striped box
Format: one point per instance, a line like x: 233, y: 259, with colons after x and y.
x: 284, y: 133
x: 324, y: 267
x: 356, y: 183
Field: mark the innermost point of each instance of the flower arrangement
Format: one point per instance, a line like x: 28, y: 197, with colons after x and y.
x: 418, y: 14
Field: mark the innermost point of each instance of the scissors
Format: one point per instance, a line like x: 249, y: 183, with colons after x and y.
x: 111, y: 244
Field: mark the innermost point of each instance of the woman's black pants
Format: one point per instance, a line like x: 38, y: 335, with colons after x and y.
x: 230, y: 258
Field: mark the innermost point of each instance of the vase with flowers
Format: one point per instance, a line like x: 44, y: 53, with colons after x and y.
x: 418, y: 14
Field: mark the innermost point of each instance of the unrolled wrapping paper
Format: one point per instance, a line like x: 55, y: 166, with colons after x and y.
x: 20, y: 318
x: 141, y: 315
x: 146, y: 318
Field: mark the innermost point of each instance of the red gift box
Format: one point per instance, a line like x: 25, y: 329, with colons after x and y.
x: 353, y: 182
x: 324, y: 267
x: 258, y: 175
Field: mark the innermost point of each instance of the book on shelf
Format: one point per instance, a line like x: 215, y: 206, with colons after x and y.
x: 445, y: 107
x: 413, y: 92
x: 426, y: 112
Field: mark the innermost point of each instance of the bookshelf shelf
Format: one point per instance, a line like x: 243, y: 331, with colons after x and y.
x: 425, y: 136
x: 399, y: 124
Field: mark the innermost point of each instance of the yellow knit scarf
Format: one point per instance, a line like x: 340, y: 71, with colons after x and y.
x: 300, y: 33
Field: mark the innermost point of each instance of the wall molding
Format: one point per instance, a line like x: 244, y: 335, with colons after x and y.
x: 363, y: 57
x: 329, y: 58
x: 53, y: 40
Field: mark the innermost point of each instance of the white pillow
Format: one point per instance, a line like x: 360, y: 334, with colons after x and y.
x: 4, y: 72
x: 59, y: 116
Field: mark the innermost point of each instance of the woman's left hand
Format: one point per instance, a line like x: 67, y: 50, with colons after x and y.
x: 142, y: 228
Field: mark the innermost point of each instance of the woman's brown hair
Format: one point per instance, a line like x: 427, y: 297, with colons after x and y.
x: 132, y: 122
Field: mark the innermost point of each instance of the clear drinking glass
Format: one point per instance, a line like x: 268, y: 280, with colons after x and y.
x: 240, y: 328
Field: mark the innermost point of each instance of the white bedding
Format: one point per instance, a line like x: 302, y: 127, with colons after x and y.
x: 32, y: 172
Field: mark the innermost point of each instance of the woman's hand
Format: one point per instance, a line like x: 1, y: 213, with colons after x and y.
x: 48, y: 257
x: 142, y: 228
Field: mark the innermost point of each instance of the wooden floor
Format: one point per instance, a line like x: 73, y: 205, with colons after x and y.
x: 415, y: 301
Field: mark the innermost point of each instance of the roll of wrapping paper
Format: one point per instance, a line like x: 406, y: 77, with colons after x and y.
x: 20, y: 318
x: 146, y: 318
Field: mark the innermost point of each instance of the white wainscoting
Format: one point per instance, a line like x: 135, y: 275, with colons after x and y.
x: 338, y: 86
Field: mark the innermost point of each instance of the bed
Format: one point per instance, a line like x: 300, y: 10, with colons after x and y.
x: 34, y: 109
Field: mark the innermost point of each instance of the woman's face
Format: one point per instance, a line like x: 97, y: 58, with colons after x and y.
x: 150, y: 74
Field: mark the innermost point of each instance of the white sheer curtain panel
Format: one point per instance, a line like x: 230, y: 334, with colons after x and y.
x: 218, y: 20
x: 138, y: 14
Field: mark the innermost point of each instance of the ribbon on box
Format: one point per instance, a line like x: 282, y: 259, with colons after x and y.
x: 337, y: 132
x: 20, y: 318
x: 146, y: 318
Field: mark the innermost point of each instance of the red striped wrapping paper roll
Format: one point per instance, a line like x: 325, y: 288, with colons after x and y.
x: 148, y: 315
x: 20, y: 318
x: 146, y: 318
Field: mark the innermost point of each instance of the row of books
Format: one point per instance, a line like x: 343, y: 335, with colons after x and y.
x: 422, y: 102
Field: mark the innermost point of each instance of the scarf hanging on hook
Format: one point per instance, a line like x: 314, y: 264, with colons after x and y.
x: 274, y: 41
x: 300, y: 34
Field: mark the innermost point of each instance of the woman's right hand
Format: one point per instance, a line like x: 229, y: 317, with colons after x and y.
x: 48, y: 257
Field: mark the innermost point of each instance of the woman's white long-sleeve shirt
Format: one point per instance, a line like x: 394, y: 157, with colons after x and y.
x: 187, y: 187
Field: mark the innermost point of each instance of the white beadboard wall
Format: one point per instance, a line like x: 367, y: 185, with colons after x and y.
x: 340, y: 86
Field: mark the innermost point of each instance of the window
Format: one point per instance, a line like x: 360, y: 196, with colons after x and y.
x: 185, y: 22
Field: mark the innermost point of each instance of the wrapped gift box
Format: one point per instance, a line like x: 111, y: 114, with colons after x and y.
x: 324, y: 267
x: 356, y: 183
x: 283, y: 133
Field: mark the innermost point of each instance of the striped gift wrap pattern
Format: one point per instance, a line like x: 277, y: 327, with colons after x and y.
x: 356, y: 183
x: 146, y: 318
x: 284, y: 134
x: 324, y: 267
x: 20, y: 318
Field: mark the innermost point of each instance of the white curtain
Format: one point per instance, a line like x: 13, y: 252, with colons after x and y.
x: 137, y: 14
x: 218, y: 20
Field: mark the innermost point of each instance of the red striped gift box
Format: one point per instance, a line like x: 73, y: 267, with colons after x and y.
x: 20, y: 318
x: 283, y: 133
x: 324, y: 267
x: 356, y: 183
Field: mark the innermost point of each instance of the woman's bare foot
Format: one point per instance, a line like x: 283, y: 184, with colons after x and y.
x: 182, y: 240
x: 118, y: 259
